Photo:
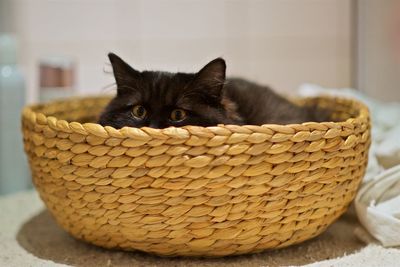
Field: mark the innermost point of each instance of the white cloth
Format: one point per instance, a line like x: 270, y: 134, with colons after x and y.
x: 378, y: 201
x: 378, y: 207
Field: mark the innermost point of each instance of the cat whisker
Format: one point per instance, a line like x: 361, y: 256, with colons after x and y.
x: 109, y: 87
x: 107, y: 68
x: 126, y: 87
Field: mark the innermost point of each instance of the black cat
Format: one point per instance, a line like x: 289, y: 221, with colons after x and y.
x: 206, y: 98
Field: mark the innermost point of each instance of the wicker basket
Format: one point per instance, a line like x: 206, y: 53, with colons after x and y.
x: 195, y: 191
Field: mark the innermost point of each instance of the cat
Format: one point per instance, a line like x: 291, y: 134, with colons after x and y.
x: 161, y: 99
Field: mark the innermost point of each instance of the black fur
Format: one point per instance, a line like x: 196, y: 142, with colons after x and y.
x: 206, y: 96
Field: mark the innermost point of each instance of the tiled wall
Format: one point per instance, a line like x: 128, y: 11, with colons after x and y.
x: 278, y: 42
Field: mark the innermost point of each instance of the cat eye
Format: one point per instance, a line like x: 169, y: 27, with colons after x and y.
x: 139, y: 112
x: 178, y: 115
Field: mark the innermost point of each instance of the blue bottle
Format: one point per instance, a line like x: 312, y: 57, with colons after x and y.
x: 14, y: 174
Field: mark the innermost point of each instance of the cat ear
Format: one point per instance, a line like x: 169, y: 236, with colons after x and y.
x: 124, y: 74
x: 212, y: 77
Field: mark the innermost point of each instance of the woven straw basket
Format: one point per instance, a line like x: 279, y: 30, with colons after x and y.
x: 195, y: 191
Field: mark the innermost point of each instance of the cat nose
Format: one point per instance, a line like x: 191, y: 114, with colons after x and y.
x: 154, y: 124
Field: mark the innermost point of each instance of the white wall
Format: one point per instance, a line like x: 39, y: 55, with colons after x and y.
x: 278, y: 42
x: 379, y: 48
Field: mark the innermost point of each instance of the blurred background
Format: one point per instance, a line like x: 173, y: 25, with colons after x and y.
x: 60, y: 49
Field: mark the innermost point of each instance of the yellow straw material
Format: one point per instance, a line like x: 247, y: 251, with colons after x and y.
x: 211, y: 191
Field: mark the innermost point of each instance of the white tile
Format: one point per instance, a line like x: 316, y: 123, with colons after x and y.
x: 278, y: 42
x: 181, y: 19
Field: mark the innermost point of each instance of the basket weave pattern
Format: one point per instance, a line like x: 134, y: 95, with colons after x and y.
x: 194, y: 191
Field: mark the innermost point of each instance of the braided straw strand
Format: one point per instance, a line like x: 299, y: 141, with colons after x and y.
x: 195, y: 191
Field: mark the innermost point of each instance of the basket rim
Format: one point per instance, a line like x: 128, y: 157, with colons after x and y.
x: 185, y: 132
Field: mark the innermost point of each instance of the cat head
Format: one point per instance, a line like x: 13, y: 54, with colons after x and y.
x: 161, y: 99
